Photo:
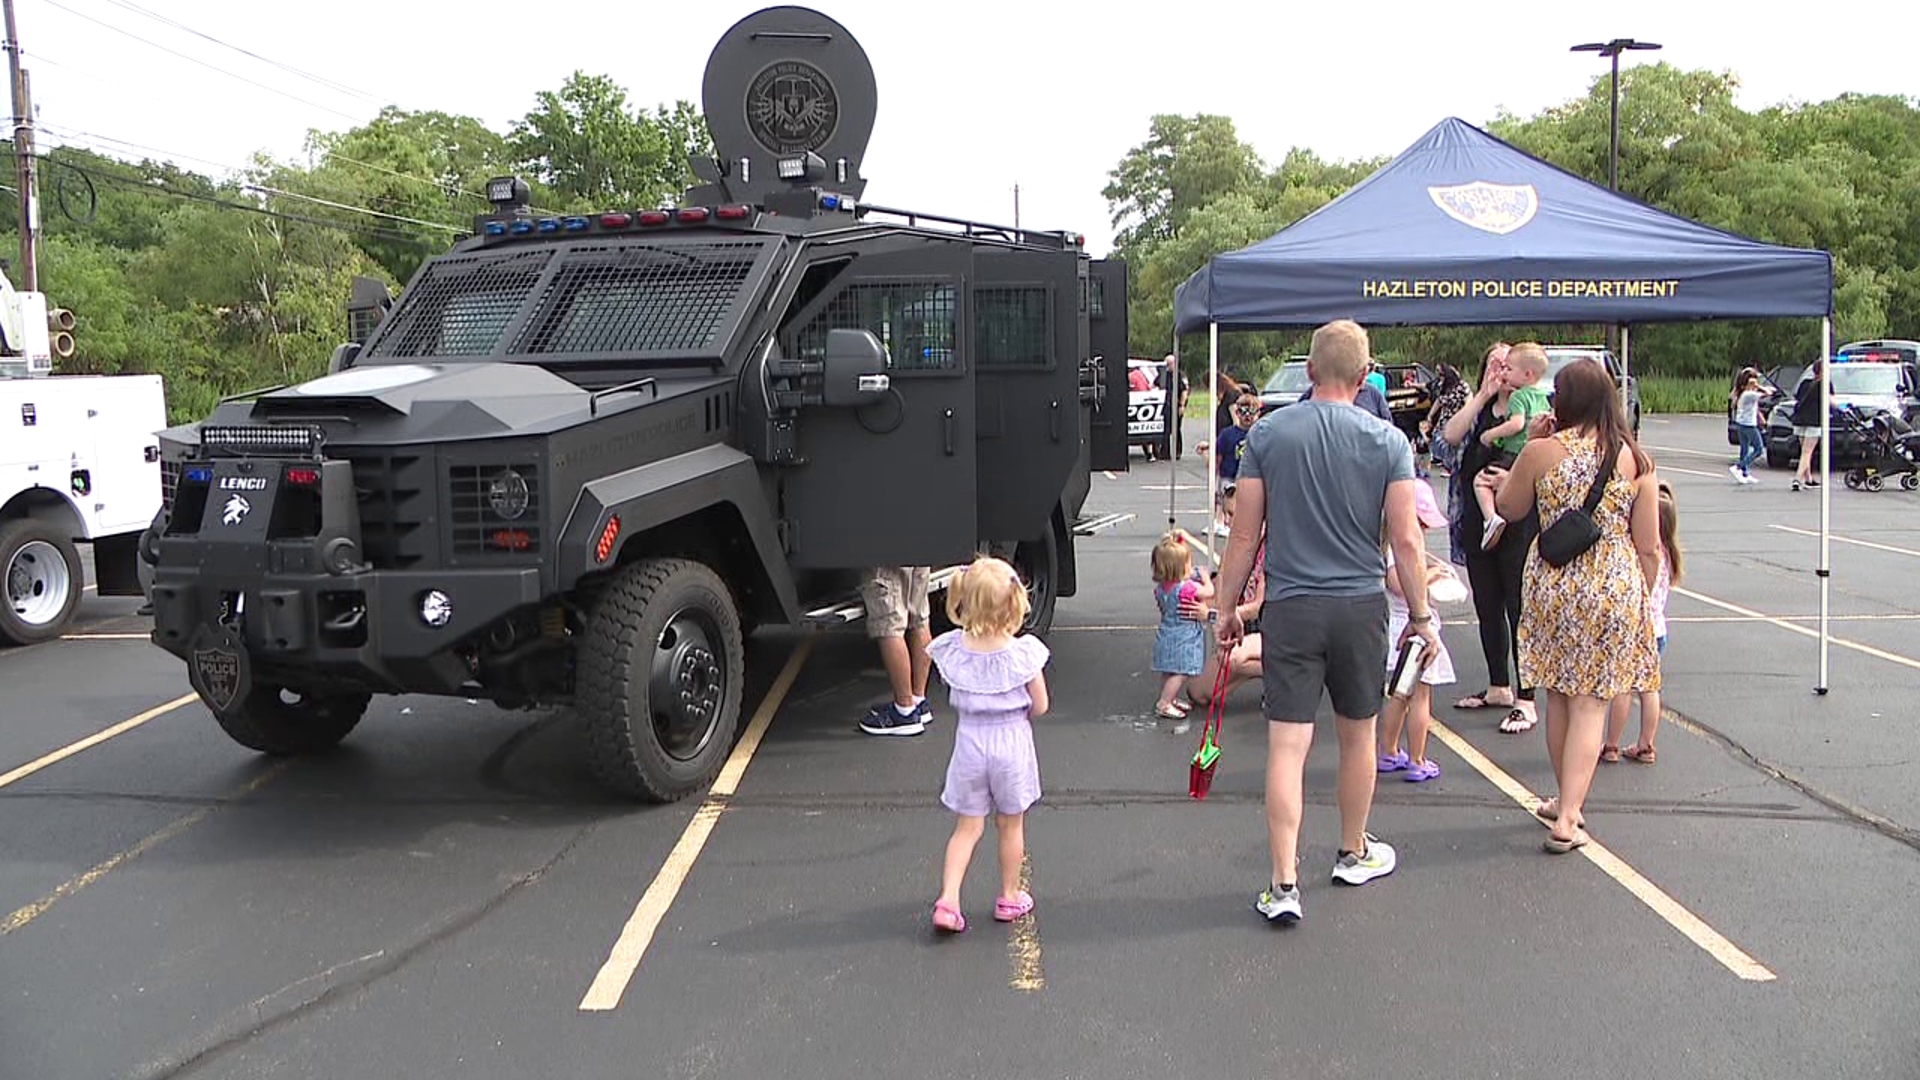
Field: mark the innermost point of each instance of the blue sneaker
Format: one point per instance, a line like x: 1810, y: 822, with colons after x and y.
x: 884, y: 719
x: 924, y: 710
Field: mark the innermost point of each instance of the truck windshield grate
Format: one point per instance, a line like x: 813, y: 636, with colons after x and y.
x: 639, y: 298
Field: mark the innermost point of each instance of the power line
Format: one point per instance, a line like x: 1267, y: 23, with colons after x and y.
x: 347, y: 206
x: 197, y: 60
x: 156, y: 185
x: 66, y: 132
x: 320, y: 79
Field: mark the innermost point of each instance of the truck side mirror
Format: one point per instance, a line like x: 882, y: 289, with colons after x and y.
x: 855, y: 370
x: 343, y: 355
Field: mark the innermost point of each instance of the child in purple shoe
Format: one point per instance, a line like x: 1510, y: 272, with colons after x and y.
x: 1414, y: 714
x: 996, y: 684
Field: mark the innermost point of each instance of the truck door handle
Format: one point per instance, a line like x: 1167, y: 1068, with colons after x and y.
x: 949, y: 432
x: 1053, y: 420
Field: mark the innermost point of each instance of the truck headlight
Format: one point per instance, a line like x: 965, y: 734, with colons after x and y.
x: 508, y: 495
x: 436, y: 608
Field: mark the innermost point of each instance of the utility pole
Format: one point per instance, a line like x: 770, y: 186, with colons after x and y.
x: 23, y: 160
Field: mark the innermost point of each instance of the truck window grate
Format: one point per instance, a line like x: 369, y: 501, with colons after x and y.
x: 916, y: 322
x: 462, y: 304
x: 640, y: 298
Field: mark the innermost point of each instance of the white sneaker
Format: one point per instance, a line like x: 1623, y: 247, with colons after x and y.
x: 1749, y: 478
x: 1734, y: 471
x: 1358, y: 869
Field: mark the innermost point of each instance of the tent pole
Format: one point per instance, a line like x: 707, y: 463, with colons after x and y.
x: 1826, y: 488
x: 1173, y: 417
x: 1626, y: 376
x: 1213, y: 442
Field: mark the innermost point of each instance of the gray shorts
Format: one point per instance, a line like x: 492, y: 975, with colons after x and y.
x: 1332, y: 643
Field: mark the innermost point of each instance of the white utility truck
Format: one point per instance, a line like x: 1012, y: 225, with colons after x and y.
x: 79, y: 464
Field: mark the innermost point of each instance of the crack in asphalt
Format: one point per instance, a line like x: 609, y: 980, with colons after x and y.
x: 249, y: 1022
x: 1856, y: 815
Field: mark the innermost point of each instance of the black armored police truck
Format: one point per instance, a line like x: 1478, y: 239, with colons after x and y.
x: 581, y: 457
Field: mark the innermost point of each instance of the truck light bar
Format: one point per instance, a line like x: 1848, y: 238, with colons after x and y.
x: 618, y: 220
x: 259, y: 437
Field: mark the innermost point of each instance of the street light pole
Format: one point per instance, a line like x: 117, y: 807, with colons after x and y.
x: 1612, y: 50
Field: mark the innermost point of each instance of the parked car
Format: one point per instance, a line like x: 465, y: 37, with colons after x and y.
x: 1288, y: 385
x: 1147, y: 410
x: 1559, y: 356
x: 1409, y: 395
x: 1864, y: 388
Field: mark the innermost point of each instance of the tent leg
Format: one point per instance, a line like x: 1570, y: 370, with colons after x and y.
x: 1173, y: 417
x: 1626, y: 376
x: 1213, y: 447
x: 1826, y: 489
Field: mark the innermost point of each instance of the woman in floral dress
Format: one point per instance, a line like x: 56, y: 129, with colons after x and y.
x: 1586, y: 628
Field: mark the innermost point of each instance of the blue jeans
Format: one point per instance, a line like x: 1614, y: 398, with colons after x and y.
x: 1752, y: 446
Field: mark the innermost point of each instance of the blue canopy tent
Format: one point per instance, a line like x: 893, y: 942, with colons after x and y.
x: 1463, y: 228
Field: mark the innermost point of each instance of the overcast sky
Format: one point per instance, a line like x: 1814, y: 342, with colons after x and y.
x: 975, y: 97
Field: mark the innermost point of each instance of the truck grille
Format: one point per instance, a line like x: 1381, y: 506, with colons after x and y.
x: 481, y: 528
x: 394, y: 494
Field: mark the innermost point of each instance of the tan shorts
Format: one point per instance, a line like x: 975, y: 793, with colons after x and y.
x: 896, y: 599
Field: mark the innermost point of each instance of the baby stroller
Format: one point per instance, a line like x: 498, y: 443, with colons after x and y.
x: 1890, y: 447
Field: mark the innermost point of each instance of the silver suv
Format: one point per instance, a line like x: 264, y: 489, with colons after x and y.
x: 1559, y: 356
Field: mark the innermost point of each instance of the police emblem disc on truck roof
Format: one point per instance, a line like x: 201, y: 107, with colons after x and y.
x: 787, y: 89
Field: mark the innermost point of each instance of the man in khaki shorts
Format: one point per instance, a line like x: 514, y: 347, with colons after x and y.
x: 896, y: 601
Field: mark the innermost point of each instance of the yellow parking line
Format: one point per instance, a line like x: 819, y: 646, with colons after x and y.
x: 92, y: 740
x: 73, y: 885
x: 1837, y: 538
x: 1023, y: 944
x: 1881, y: 654
x: 611, y: 982
x: 1676, y: 915
x: 1689, y: 472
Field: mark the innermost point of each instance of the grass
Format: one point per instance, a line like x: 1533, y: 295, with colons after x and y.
x: 1673, y: 394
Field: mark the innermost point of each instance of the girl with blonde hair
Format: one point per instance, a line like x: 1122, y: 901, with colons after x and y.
x: 995, y: 681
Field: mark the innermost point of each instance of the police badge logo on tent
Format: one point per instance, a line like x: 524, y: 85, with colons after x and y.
x: 1494, y: 208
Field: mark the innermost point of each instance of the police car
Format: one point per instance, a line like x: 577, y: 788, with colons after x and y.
x: 1146, y: 401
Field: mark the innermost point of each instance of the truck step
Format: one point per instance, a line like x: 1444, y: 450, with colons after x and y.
x: 853, y: 609
x: 1094, y: 523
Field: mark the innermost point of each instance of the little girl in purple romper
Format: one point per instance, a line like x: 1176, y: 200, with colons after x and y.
x: 996, y: 684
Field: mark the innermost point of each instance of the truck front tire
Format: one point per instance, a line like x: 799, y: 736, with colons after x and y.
x: 310, y: 723
x: 661, y: 671
x: 1038, y: 562
x: 40, y: 582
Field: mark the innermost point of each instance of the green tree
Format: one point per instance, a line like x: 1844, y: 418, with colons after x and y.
x: 591, y: 151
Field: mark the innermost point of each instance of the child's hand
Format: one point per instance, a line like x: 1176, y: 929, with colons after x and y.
x: 1542, y: 426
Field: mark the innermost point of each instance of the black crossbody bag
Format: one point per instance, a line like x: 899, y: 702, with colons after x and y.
x: 1573, y: 532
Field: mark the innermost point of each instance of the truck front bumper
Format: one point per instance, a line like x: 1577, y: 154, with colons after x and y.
x: 383, y: 631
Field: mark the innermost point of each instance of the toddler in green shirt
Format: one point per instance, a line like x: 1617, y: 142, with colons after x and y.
x: 1521, y: 401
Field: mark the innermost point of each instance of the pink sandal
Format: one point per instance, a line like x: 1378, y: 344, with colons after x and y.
x: 948, y: 918
x: 1006, y: 910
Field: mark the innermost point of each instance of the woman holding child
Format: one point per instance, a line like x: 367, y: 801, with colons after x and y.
x: 1496, y: 556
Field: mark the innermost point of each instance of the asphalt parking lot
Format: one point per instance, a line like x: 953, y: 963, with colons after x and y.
x: 449, y: 894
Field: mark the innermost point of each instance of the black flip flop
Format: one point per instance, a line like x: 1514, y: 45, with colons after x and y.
x: 1482, y: 698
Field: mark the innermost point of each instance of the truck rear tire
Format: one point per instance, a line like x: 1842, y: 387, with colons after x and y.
x: 1038, y: 562
x: 661, y: 671
x: 42, y: 579
x: 266, y: 721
